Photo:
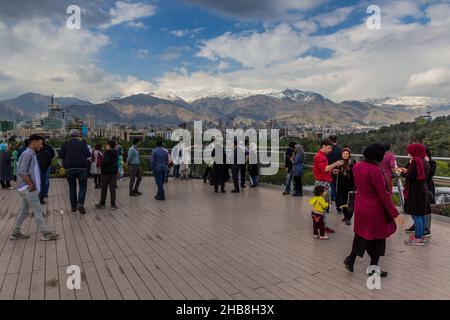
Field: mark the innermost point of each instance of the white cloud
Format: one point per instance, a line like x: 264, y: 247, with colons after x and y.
x: 307, y: 26
x: 128, y: 12
x: 35, y: 53
x: 337, y: 16
x: 137, y: 25
x: 142, y: 54
x: 365, y: 63
x: 185, y: 32
x: 282, y: 43
x: 430, y: 78
x: 173, y: 53
x: 439, y: 14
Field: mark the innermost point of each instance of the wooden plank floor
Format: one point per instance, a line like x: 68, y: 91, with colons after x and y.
x: 200, y: 245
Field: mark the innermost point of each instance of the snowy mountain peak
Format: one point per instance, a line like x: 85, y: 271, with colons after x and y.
x: 411, y: 102
x: 240, y: 93
x: 165, y: 95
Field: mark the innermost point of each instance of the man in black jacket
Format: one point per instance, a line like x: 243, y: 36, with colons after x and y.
x: 110, y: 169
x: 334, y: 156
x: 44, y: 158
x: 289, y: 165
x: 75, y: 155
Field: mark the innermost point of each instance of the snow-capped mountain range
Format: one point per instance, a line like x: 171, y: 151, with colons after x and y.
x: 289, y: 107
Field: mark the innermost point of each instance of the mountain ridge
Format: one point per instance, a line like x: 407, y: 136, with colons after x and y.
x: 289, y: 106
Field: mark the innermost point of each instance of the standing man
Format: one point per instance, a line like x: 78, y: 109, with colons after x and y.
x: 333, y: 156
x: 133, y: 162
x: 322, y: 171
x: 28, y: 178
x: 45, y: 157
x: 75, y: 156
x: 244, y: 165
x: 109, y: 172
x: 288, y: 164
x: 159, y: 162
x: 235, y: 168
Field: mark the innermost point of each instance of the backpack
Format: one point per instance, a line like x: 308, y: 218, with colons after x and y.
x: 99, y: 162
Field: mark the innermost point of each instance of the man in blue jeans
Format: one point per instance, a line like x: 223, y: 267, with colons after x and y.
x: 288, y: 165
x: 75, y: 155
x: 45, y: 157
x: 29, y: 181
x: 159, y: 162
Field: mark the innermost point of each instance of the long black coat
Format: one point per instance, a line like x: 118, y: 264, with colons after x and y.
x: 418, y: 201
x: 5, y: 166
x: 345, y: 184
x: 430, y: 182
x: 219, y: 172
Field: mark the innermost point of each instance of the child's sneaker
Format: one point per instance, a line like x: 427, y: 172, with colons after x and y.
x: 413, y: 241
x: 315, y: 236
x: 325, y: 237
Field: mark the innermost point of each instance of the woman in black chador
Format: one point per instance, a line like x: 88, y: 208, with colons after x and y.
x: 219, y: 171
x: 345, y: 184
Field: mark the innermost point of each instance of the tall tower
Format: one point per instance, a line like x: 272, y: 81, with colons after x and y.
x: 54, y: 110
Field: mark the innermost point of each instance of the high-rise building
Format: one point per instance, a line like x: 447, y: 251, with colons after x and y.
x: 90, y: 120
x: 55, y: 111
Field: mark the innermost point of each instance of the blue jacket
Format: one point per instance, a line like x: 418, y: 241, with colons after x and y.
x: 133, y: 156
x: 299, y: 164
x: 159, y: 159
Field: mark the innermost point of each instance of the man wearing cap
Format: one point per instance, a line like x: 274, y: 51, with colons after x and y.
x: 75, y: 155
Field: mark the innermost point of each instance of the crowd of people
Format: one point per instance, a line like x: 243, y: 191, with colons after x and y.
x: 360, y: 190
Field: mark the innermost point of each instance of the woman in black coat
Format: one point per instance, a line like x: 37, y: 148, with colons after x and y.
x: 6, y: 172
x: 417, y: 196
x: 219, y: 172
x: 345, y: 184
x: 253, y: 168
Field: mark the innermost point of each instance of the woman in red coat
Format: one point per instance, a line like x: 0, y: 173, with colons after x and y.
x: 375, y: 213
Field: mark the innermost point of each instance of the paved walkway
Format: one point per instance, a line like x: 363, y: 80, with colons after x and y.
x: 201, y: 245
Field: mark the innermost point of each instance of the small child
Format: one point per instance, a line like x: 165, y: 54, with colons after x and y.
x: 319, y: 205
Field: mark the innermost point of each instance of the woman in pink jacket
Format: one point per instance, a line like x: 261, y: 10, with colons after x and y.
x: 375, y: 213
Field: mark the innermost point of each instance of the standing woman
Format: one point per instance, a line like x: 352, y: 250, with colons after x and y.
x: 253, y: 168
x: 5, y: 167
x: 375, y: 213
x: 121, y: 171
x: 431, y: 189
x: 299, y: 165
x: 416, y: 194
x: 219, y: 171
x: 15, y: 159
x: 96, y: 166
x: 345, y: 184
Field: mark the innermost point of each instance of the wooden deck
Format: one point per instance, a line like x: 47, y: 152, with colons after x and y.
x: 199, y: 245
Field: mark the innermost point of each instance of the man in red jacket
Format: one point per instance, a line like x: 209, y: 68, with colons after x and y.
x: 322, y: 171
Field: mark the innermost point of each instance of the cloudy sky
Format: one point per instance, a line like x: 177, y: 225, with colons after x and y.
x: 192, y: 47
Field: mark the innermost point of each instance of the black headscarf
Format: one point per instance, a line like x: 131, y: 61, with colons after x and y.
x: 374, y: 152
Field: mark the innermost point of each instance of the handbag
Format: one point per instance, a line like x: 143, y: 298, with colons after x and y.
x: 351, y: 201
